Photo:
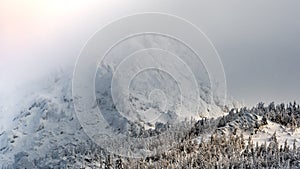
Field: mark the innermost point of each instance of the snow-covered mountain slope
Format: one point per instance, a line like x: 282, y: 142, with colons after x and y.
x: 46, y: 133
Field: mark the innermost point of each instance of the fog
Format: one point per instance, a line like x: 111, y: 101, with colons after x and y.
x: 257, y: 41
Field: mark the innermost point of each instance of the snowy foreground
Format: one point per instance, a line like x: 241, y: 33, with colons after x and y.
x: 46, y: 134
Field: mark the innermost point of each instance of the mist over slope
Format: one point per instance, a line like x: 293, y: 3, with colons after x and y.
x: 138, y: 99
x: 150, y: 76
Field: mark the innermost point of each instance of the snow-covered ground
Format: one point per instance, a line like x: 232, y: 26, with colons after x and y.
x: 282, y: 134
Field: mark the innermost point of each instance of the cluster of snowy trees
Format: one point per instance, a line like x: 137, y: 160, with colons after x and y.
x: 247, y: 119
x: 287, y: 115
x: 219, y: 151
x: 223, y: 152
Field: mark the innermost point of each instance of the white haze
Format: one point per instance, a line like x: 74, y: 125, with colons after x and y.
x: 258, y: 42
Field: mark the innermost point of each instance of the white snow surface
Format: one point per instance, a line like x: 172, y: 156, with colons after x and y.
x: 282, y: 134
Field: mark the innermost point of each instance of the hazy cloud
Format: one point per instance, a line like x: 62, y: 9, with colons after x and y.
x: 258, y: 41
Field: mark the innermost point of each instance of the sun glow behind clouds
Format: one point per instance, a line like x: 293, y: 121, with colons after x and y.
x: 23, y: 21
x: 42, y: 36
x: 31, y: 33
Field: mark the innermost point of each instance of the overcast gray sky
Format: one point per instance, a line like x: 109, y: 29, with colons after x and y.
x: 258, y: 41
